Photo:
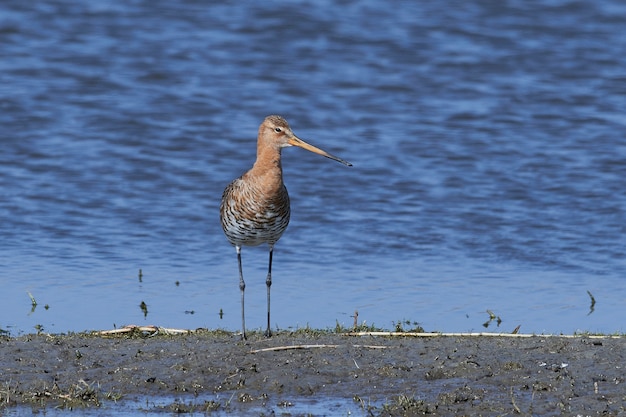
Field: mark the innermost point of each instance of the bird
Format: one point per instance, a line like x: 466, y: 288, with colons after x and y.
x: 255, y: 207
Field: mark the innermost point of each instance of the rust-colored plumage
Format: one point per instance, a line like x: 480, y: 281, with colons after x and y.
x: 255, y: 206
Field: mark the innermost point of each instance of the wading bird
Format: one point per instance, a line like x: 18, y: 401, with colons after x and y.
x: 255, y: 206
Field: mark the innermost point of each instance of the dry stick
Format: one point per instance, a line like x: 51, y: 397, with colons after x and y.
x: 279, y: 348
x: 515, y: 407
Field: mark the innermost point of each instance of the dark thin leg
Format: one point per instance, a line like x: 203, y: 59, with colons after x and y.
x: 268, y: 282
x: 242, y: 287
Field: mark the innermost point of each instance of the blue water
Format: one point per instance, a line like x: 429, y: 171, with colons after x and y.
x: 488, y: 143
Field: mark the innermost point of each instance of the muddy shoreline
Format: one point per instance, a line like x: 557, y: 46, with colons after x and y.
x: 206, y: 371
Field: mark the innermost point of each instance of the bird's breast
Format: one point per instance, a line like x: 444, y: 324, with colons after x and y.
x: 252, y: 214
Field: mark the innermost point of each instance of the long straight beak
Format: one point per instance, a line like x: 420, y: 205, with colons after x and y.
x: 296, y: 141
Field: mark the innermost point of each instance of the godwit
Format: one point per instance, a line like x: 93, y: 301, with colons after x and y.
x: 255, y: 206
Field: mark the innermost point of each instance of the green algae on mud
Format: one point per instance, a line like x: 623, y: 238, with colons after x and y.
x: 204, y: 371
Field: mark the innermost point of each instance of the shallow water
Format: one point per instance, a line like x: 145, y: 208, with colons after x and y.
x: 196, y: 406
x: 487, y: 142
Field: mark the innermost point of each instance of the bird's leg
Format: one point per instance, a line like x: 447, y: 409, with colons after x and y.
x: 268, y: 282
x: 242, y: 287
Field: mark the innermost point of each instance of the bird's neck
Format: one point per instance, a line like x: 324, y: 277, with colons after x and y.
x: 268, y: 164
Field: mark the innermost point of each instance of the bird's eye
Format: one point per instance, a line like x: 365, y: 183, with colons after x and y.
x: 277, y: 129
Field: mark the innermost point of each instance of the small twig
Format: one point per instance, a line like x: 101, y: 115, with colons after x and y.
x: 174, y: 331
x: 277, y: 348
x: 291, y: 347
x: 515, y: 407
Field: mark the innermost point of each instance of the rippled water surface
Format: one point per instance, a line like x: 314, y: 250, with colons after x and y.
x: 488, y: 143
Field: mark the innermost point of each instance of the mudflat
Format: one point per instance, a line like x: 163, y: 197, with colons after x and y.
x: 205, y: 371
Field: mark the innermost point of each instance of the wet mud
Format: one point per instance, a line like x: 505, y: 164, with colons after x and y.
x: 401, y: 375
